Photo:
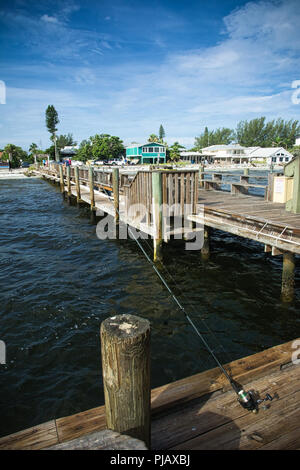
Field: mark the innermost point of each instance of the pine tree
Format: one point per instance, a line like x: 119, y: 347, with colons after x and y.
x: 51, y: 123
x: 161, y: 133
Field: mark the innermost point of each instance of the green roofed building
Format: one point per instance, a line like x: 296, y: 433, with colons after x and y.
x: 151, y: 152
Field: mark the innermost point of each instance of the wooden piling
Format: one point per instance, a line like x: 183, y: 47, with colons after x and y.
x: 68, y: 180
x: 205, y: 251
x: 288, y: 277
x: 77, y: 183
x: 125, y: 348
x: 61, y: 178
x: 201, y: 175
x: 116, y: 195
x: 157, y: 199
x: 91, y: 185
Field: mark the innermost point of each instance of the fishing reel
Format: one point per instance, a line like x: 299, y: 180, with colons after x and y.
x: 249, y: 400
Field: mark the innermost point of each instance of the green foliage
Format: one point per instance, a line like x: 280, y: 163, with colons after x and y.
x: 15, y: 154
x: 51, y: 119
x: 295, y: 151
x: 276, y: 133
x: 153, y: 138
x: 174, y: 152
x: 254, y: 133
x: 50, y: 151
x: 51, y: 123
x: 100, y: 147
x: 84, y: 152
x: 220, y: 136
x: 161, y: 133
x: 65, y: 141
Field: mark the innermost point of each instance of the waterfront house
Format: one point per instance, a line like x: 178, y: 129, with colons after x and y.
x: 235, y: 153
x: 151, y: 152
x: 269, y: 155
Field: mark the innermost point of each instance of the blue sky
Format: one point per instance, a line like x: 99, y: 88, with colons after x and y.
x: 124, y: 67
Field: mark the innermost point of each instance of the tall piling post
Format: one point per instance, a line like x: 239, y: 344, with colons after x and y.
x: 205, y: 250
x: 116, y: 188
x: 201, y: 175
x: 157, y: 200
x: 68, y: 181
x: 61, y: 179
x: 77, y: 183
x: 125, y: 350
x: 288, y: 277
x: 91, y: 186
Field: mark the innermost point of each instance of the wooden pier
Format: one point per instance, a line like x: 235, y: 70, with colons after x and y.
x: 199, y: 412
x: 148, y: 200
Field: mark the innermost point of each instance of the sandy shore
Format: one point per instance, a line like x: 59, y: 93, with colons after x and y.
x: 16, y: 173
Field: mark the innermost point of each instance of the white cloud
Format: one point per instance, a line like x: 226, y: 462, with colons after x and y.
x: 49, y: 19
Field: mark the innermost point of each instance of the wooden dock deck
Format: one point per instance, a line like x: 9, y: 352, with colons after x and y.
x: 250, y: 217
x: 199, y: 412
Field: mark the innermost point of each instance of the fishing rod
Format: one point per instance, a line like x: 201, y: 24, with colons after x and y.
x: 247, y: 399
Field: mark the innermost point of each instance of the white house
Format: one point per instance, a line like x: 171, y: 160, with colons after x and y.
x: 297, y: 142
x: 193, y: 157
x: 274, y: 155
x: 222, y: 154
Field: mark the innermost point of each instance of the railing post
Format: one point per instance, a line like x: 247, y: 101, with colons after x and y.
x: 125, y: 349
x: 116, y: 195
x: 201, y: 175
x: 69, y: 180
x: 77, y: 182
x: 157, y: 213
x: 61, y: 179
x: 91, y: 184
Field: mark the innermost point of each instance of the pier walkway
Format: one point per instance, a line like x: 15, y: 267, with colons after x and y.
x: 199, y: 412
x: 251, y: 217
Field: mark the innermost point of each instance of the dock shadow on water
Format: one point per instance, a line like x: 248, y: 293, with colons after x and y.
x: 59, y: 282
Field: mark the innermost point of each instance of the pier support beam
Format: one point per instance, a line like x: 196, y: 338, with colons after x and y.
x: 288, y: 277
x: 116, y: 194
x: 125, y: 348
x: 91, y: 185
x: 157, y: 214
x: 205, y: 251
x: 61, y: 179
x: 201, y: 175
x: 77, y: 183
x: 68, y: 181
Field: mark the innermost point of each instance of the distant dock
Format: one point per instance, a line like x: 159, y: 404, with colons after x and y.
x: 194, y: 194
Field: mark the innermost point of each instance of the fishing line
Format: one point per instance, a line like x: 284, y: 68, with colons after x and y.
x: 246, y: 399
x: 178, y: 303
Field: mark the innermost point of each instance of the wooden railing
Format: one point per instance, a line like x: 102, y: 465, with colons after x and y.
x: 237, y: 184
x: 179, y: 188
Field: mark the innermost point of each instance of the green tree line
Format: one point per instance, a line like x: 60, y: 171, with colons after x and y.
x: 254, y: 133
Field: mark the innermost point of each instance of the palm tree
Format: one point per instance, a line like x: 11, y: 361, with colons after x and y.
x: 153, y: 138
x: 33, y: 150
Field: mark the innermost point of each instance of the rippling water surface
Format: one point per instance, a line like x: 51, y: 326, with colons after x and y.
x: 59, y: 282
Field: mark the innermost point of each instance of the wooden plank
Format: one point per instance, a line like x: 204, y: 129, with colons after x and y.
x: 198, y: 385
x: 226, y: 429
x: 205, y: 415
x: 102, y: 440
x: 34, y: 438
x: 71, y: 427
